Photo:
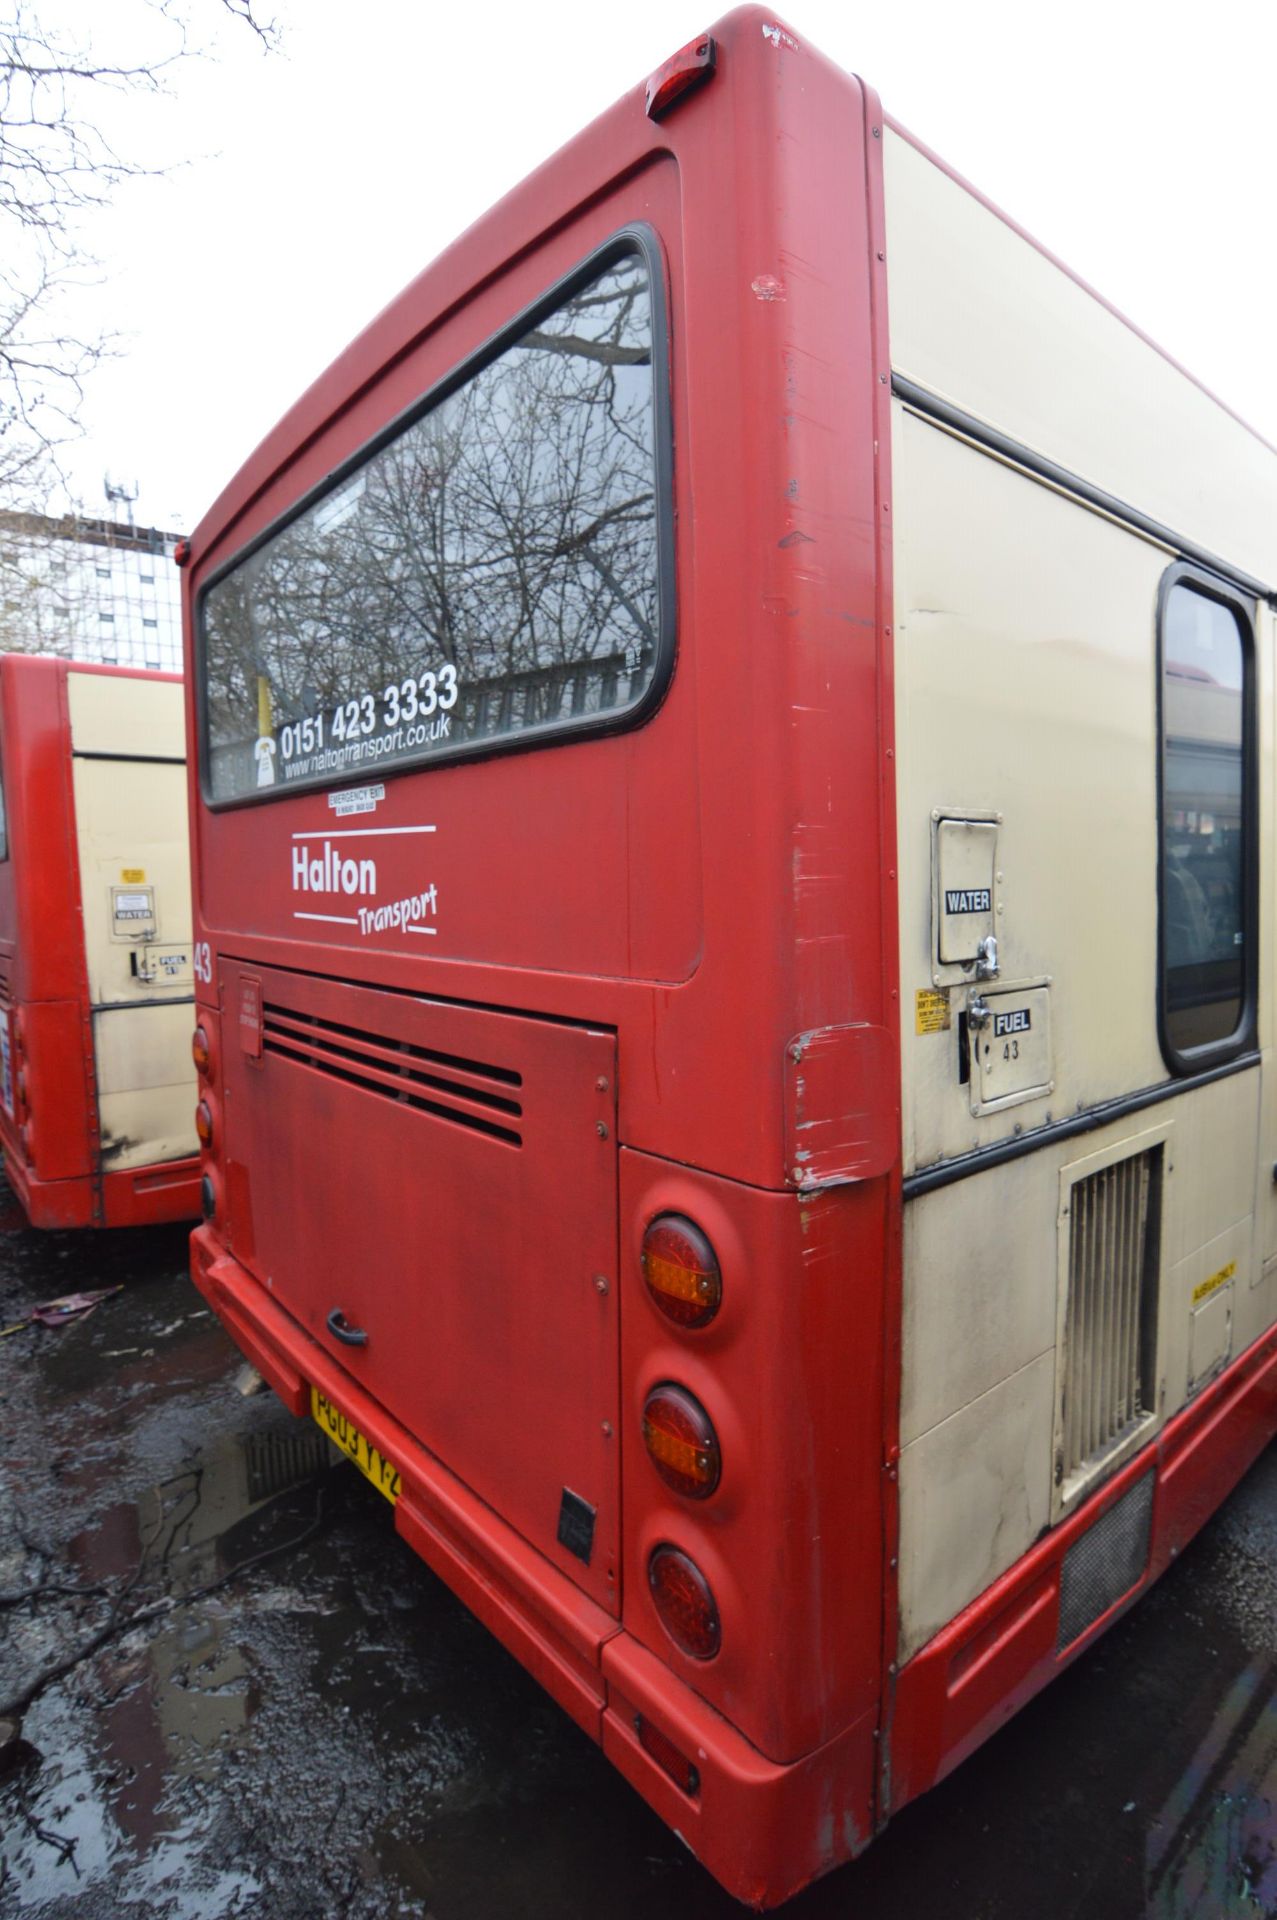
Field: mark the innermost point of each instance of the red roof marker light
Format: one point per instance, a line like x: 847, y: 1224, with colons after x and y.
x: 689, y: 67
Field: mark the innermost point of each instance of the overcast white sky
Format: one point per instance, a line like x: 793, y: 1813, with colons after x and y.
x: 1134, y: 140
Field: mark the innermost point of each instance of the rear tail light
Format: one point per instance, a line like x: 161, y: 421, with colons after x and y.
x: 204, y: 1124
x: 683, y: 1599
x: 667, y: 1756
x: 681, y: 1442
x: 201, y: 1053
x: 681, y: 1271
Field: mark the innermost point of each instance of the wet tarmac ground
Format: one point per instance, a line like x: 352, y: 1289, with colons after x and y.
x: 288, y: 1716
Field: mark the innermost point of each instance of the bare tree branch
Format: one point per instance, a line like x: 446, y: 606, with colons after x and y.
x: 58, y: 167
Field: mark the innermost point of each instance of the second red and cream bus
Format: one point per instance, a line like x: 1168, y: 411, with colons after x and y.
x: 96, y: 1080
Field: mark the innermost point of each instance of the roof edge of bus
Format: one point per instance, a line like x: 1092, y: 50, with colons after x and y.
x: 469, y: 261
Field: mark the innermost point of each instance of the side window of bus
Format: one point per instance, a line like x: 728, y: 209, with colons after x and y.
x: 1208, y: 922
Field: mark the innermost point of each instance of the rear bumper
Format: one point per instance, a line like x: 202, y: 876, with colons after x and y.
x: 764, y: 1830
x: 140, y: 1197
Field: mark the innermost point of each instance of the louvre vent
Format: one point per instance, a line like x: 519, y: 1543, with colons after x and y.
x: 1105, y: 1562
x: 1110, y: 1325
x: 469, y: 1093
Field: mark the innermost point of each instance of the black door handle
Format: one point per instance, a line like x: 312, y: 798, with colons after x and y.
x: 341, y: 1327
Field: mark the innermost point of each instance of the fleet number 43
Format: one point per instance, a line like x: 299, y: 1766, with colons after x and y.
x: 204, y: 962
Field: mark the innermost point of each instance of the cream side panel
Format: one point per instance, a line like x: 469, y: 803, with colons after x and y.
x: 979, y: 1293
x: 146, y: 1083
x: 1026, y: 687
x: 979, y: 316
x: 981, y: 1276
x: 131, y: 820
x: 147, y: 1129
x: 975, y: 1492
x: 116, y: 713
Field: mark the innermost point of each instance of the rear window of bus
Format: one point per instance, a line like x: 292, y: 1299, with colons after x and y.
x: 492, y: 572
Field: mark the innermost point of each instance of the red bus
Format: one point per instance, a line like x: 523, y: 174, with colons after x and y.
x: 96, y: 1080
x: 732, y: 944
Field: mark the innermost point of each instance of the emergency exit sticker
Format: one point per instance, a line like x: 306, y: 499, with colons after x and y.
x: 250, y: 1016
x: 931, y: 1011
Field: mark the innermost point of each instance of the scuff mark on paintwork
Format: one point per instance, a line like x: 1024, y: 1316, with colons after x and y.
x: 777, y: 37
x: 796, y: 538
x: 767, y: 287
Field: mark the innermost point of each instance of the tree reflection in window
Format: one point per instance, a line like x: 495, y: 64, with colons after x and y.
x: 490, y: 572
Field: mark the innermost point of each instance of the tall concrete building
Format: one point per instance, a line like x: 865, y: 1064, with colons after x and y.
x: 88, y: 589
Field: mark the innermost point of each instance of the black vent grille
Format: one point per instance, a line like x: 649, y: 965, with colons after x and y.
x: 470, y: 1093
x: 1110, y: 1331
x: 1105, y: 1562
x: 277, y: 1461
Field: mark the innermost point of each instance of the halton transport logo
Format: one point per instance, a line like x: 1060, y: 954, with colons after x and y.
x: 337, y: 873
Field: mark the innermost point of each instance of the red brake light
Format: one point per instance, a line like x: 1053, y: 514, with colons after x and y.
x: 204, y: 1123
x: 683, y: 1600
x: 681, y: 1270
x: 200, y: 1052
x: 181, y: 553
x: 689, y: 67
x: 681, y: 1441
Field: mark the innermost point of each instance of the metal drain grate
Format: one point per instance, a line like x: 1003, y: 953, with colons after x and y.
x: 277, y: 1461
x: 1105, y: 1562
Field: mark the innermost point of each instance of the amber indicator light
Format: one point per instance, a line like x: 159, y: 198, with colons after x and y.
x: 681, y: 1271
x: 200, y: 1053
x: 667, y: 1756
x: 204, y: 1123
x: 683, y: 1599
x: 681, y: 1441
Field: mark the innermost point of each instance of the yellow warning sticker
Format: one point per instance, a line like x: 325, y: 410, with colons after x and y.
x: 1216, y: 1281
x: 931, y: 1010
x: 133, y: 876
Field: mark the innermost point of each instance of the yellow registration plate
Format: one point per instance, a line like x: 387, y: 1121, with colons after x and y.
x: 373, y: 1465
